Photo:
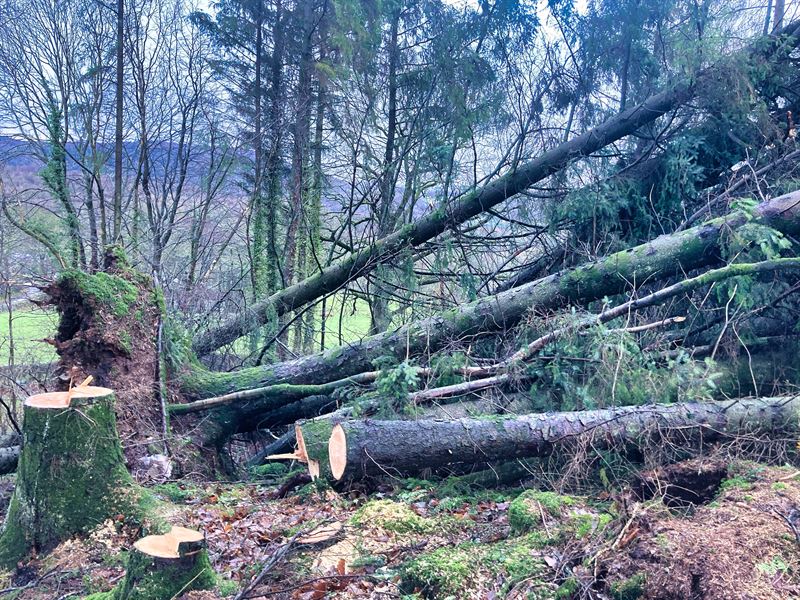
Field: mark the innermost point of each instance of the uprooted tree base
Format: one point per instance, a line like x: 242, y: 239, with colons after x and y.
x: 108, y: 328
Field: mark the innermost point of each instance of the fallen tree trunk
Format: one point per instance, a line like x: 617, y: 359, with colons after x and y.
x: 474, y: 203
x: 359, y: 448
x: 661, y: 258
x: 9, y: 455
x: 504, y: 369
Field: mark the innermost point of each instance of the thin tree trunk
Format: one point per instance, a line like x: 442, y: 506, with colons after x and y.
x: 314, y: 214
x: 469, y: 206
x: 378, y: 300
x: 779, y: 13
x: 118, y: 118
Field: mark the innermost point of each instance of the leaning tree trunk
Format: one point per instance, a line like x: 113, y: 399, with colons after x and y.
x: 472, y: 204
x: 164, y: 566
x: 361, y: 448
x: 659, y: 259
x: 71, y: 474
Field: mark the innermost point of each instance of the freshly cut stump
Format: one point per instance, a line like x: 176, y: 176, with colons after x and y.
x: 71, y: 475
x: 165, y: 566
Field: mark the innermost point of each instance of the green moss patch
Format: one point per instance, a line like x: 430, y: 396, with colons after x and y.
x: 584, y: 524
x: 629, y: 589
x: 526, y: 510
x: 104, y: 289
x: 464, y: 570
x: 393, y: 516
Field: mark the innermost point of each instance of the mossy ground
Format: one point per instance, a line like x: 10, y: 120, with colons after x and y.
x: 423, y: 540
x: 393, y: 516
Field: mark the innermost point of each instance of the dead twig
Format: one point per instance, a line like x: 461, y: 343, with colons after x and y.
x: 276, y: 558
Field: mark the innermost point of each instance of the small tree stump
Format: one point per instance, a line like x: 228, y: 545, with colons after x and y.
x: 71, y: 475
x: 161, y: 567
x: 165, y: 566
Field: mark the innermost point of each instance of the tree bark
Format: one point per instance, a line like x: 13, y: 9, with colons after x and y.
x: 119, y: 79
x: 360, y: 448
x: 663, y: 257
x: 154, y: 571
x: 71, y: 474
x: 473, y: 203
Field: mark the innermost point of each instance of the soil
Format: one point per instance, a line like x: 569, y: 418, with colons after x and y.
x: 740, y: 546
x: 109, y: 333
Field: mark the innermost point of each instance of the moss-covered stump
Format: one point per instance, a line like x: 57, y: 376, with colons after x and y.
x: 161, y: 567
x: 71, y: 474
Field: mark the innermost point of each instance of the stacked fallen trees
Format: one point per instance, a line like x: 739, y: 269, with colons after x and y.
x: 273, y: 394
x: 476, y: 202
x: 279, y: 394
x: 362, y: 448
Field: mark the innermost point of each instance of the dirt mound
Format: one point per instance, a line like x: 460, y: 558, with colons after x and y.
x: 108, y: 328
x: 740, y: 545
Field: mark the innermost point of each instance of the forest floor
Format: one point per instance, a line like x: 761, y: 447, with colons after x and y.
x: 418, y: 539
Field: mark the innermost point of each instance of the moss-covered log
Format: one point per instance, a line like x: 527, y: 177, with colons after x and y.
x: 359, y: 448
x: 71, y: 474
x: 9, y: 455
x: 659, y: 259
x: 474, y: 203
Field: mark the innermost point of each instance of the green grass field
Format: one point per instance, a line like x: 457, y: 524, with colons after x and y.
x: 354, y: 320
x: 29, y: 327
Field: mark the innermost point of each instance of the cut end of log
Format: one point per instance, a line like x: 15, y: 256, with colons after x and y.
x: 337, y: 451
x: 169, y: 544
x: 63, y: 399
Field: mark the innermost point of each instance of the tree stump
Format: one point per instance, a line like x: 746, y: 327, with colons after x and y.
x: 165, y: 566
x: 71, y: 475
